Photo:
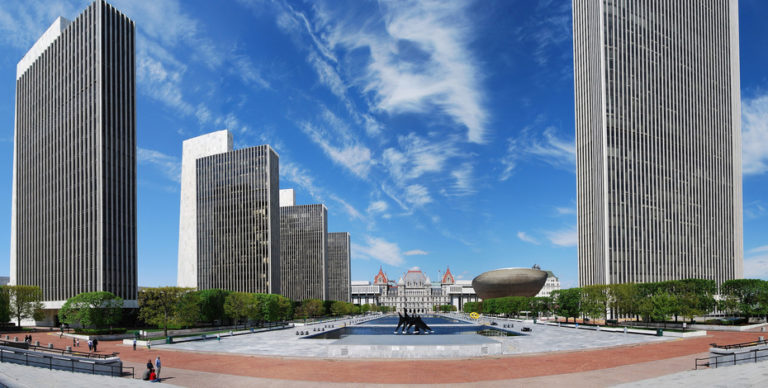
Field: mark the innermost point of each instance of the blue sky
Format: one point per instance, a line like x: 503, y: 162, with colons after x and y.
x: 436, y: 134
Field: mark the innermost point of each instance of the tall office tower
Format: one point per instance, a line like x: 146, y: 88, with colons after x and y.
x: 73, y: 222
x: 338, y: 276
x: 197, y: 147
x: 658, y: 140
x: 238, y: 221
x: 287, y: 197
x: 303, y: 251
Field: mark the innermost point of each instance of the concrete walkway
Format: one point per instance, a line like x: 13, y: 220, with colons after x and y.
x: 21, y: 376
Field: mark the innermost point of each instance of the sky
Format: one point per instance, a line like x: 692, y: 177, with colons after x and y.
x: 439, y: 134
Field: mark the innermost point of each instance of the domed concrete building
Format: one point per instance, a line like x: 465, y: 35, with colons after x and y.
x: 509, y: 282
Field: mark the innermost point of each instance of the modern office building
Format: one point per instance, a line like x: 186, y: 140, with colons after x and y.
x: 658, y: 140
x: 73, y: 217
x: 338, y: 274
x: 303, y: 251
x: 218, y: 142
x: 238, y: 222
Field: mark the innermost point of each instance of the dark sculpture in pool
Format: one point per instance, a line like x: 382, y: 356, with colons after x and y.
x: 406, y: 322
x: 509, y: 282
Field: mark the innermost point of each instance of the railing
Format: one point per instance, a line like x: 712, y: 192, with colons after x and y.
x: 45, y: 349
x: 731, y: 359
x: 60, y: 363
x: 741, y: 345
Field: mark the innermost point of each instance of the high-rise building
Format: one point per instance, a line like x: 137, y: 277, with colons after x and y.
x: 658, y: 140
x: 209, y: 144
x: 73, y: 222
x: 238, y: 220
x: 303, y: 251
x: 338, y: 275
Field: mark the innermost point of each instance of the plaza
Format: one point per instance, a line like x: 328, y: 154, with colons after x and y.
x: 550, y: 354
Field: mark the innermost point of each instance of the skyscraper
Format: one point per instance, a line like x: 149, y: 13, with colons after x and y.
x: 238, y: 220
x: 197, y: 147
x: 338, y: 275
x: 73, y: 222
x: 658, y: 140
x: 303, y: 251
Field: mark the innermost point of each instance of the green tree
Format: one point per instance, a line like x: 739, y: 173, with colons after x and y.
x: 241, y: 305
x: 98, y: 309
x: 25, y: 302
x: 594, y: 302
x: 212, y: 305
x: 625, y: 299
x: 567, y: 302
x: 159, y: 306
x: 5, y: 307
x: 659, y: 307
x: 188, y: 310
x: 749, y: 293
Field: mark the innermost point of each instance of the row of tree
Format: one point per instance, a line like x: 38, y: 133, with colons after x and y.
x: 653, y: 302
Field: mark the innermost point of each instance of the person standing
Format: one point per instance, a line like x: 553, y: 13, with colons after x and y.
x: 158, y: 365
x: 134, y: 344
x: 95, y: 344
x: 90, y: 344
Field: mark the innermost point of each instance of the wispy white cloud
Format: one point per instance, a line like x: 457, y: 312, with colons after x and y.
x: 755, y: 209
x: 23, y: 22
x: 756, y: 267
x: 754, y: 135
x: 763, y: 248
x: 377, y: 207
x: 417, y: 195
x: 292, y: 172
x: 464, y: 183
x: 526, y: 238
x: 419, y: 59
x: 414, y: 252
x: 568, y: 237
x: 378, y: 249
x: 353, y: 156
x: 546, y: 146
x: 562, y: 210
x: 170, y: 166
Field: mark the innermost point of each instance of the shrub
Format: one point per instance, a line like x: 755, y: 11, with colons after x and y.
x: 115, y: 330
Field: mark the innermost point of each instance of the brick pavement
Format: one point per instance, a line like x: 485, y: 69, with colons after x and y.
x: 422, y: 371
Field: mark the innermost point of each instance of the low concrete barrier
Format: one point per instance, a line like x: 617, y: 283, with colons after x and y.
x: 112, y: 366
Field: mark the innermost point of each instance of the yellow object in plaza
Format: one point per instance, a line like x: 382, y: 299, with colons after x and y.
x: 474, y: 315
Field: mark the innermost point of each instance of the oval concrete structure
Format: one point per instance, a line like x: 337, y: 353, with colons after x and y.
x: 509, y: 282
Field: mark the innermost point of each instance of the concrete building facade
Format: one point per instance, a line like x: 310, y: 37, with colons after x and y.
x: 73, y: 222
x: 414, y: 291
x: 552, y: 284
x: 658, y: 140
x: 338, y: 275
x: 238, y: 222
x: 218, y: 142
x: 303, y: 251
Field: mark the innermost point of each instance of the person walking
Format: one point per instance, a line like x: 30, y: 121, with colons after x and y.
x: 95, y: 344
x: 134, y: 344
x: 158, y: 365
x: 77, y: 343
x: 90, y: 344
x: 74, y: 342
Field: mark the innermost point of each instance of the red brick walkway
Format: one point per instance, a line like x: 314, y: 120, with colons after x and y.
x: 421, y: 371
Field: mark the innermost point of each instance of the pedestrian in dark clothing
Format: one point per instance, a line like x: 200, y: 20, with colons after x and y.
x: 74, y: 342
x: 134, y: 344
x: 149, y: 365
x: 95, y: 344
